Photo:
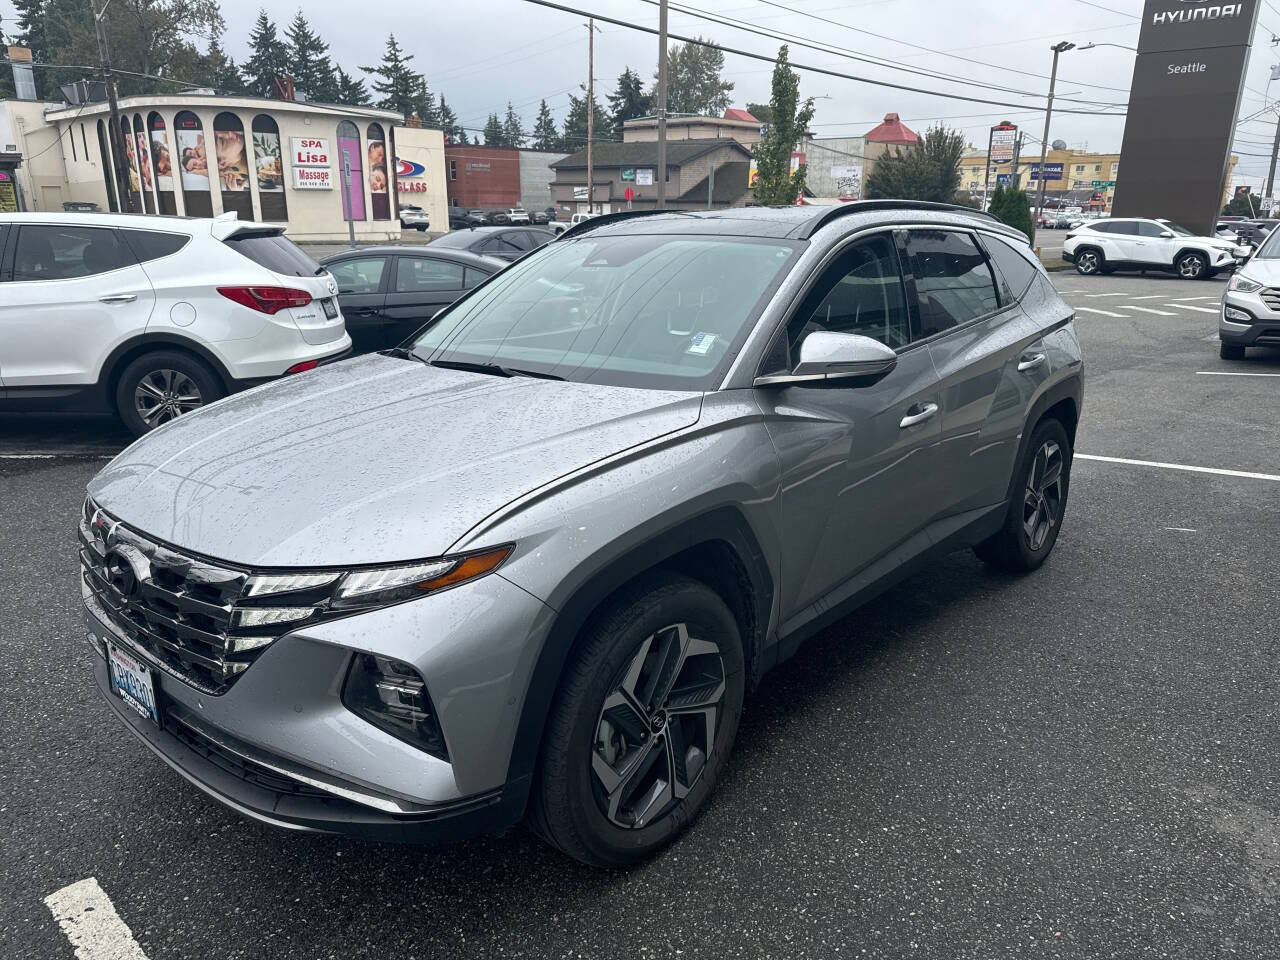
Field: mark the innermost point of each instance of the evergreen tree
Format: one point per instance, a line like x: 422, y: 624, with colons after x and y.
x: 269, y: 57
x: 6, y: 76
x: 1011, y: 206
x: 694, y: 81
x: 575, y: 123
x: 449, y: 122
x: 224, y: 76
x: 790, y: 118
x: 930, y: 171
x: 351, y: 90
x: 395, y: 81
x: 628, y: 101
x: 309, y: 62
x: 493, y: 133
x: 513, y: 128
x: 545, y: 135
x: 424, y: 105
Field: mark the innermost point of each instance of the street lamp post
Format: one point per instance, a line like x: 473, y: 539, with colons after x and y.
x: 1058, y: 49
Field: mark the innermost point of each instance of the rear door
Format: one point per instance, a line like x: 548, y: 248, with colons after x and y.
x: 1155, y: 247
x: 421, y: 286
x: 362, y: 295
x: 75, y: 293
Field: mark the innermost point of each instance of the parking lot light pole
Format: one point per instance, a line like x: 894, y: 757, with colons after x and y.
x: 1058, y: 49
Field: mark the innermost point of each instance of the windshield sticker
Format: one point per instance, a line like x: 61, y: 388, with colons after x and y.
x: 701, y: 344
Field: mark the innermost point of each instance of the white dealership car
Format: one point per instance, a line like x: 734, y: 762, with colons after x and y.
x: 518, y: 215
x: 1122, y: 243
x: 414, y: 218
x: 152, y: 317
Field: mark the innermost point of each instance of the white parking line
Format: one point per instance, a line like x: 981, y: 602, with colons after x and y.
x: 1105, y: 294
x: 1188, y: 306
x: 1180, y: 466
x: 90, y: 922
x: 1159, y: 313
x: 1105, y: 313
x: 1153, y: 296
x: 1193, y: 298
x: 1231, y: 373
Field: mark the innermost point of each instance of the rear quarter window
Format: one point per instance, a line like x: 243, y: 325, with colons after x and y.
x: 1013, y: 262
x: 153, y: 244
x: 274, y: 251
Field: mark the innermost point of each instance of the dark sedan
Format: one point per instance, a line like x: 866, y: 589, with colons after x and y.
x: 506, y: 243
x: 387, y: 293
x: 460, y: 219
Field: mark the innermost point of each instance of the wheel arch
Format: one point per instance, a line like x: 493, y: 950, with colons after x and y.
x: 717, y: 548
x: 1208, y: 257
x: 1062, y: 402
x: 128, y: 351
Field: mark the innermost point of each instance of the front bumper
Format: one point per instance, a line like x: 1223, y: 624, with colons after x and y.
x: 1069, y: 257
x: 1262, y: 329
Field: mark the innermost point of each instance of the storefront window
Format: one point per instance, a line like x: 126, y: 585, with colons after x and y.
x: 161, y: 163
x: 108, y: 171
x: 269, y: 165
x: 233, y: 165
x: 125, y: 137
x: 144, y: 164
x: 193, y: 164
x: 349, y: 158
x: 379, y: 199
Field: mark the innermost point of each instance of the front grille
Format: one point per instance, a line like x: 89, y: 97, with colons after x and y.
x: 1269, y: 337
x: 1271, y: 297
x: 176, y: 607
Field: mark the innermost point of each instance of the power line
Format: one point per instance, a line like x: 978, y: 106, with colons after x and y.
x: 825, y: 71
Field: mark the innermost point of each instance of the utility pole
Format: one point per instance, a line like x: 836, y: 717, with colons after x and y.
x: 1275, y: 151
x: 1058, y: 49
x: 662, y: 105
x: 116, y: 132
x: 591, y: 111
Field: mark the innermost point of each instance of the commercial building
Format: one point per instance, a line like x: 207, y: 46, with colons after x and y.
x: 734, y: 125
x: 497, y: 178
x: 200, y: 154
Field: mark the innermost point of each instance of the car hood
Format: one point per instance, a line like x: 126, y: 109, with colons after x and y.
x: 375, y: 460
x: 1265, y: 272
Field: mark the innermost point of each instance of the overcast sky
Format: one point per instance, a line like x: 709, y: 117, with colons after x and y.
x: 482, y: 53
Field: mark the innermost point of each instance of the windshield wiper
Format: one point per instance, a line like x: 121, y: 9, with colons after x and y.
x: 493, y: 369
x: 404, y: 353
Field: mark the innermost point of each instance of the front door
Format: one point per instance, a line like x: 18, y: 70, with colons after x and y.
x: 362, y: 296
x: 857, y: 457
x: 75, y: 293
x: 420, y: 288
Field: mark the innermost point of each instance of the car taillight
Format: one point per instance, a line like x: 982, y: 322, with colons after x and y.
x: 303, y: 366
x: 266, y: 299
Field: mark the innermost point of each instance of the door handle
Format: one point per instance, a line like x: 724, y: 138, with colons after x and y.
x: 119, y: 298
x: 923, y: 411
x: 1030, y: 361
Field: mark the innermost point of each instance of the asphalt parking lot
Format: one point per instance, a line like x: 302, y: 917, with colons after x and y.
x: 1080, y: 763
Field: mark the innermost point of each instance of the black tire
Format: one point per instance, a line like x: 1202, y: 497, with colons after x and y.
x: 1015, y: 548
x: 1192, y: 266
x: 1230, y: 351
x: 569, y: 805
x: 1089, y: 261
x: 154, y: 369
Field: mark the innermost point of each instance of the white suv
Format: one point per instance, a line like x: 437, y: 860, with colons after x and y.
x: 1102, y: 246
x: 155, y: 316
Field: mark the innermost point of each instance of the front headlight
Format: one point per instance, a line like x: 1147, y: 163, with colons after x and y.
x: 1242, y: 284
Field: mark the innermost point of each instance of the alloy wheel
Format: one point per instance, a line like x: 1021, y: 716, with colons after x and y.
x: 164, y: 395
x: 1087, y: 262
x: 1190, y: 267
x: 657, y: 726
x: 1042, y: 503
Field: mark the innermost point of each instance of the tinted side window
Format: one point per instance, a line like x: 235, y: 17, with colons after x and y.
x: 861, y: 292
x: 953, y: 279
x: 275, y: 252
x: 152, y: 244
x: 1128, y: 228
x: 474, y: 277
x: 1103, y: 227
x: 416, y: 274
x: 1147, y: 229
x: 1015, y: 266
x: 63, y: 253
x: 359, y: 276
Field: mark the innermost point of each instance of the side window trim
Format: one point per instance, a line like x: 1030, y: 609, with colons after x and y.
x: 1003, y: 286
x: 905, y: 253
x: 7, y: 234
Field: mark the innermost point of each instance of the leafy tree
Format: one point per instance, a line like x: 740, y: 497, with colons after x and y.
x: 513, y: 128
x: 449, y: 122
x: 268, y: 59
x: 309, y: 62
x: 1011, y: 206
x: 33, y: 33
x: 545, y: 135
x: 761, y: 111
x: 628, y: 101
x: 575, y: 123
x: 930, y: 171
x: 694, y: 81
x: 493, y: 133
x: 397, y: 84
x: 776, y: 184
x: 1243, y: 204
x: 351, y: 90
x: 6, y: 76
x: 424, y: 105
x: 222, y: 72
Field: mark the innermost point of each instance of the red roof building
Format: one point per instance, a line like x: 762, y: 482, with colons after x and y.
x: 894, y: 132
x: 733, y: 113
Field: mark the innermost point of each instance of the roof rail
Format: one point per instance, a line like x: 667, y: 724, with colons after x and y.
x: 604, y: 219
x: 863, y: 206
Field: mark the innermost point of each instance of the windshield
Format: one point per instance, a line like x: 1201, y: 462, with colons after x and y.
x: 1176, y: 228
x: 666, y: 312
x: 1270, y: 249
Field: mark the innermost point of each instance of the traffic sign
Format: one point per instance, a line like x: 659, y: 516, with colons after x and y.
x: 1098, y: 184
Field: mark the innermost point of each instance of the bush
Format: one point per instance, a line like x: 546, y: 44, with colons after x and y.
x: 1012, y: 207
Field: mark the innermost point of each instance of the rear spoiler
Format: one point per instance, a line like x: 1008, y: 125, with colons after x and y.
x: 229, y: 224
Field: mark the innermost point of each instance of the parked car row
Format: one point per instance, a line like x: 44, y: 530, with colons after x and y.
x: 1123, y: 243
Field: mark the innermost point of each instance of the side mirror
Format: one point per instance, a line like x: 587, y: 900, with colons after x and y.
x: 836, y: 356
x: 1166, y: 234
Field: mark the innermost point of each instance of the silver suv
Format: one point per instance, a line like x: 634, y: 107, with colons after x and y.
x: 532, y: 561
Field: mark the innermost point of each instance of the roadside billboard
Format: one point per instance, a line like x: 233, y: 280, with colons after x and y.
x: 1183, y: 103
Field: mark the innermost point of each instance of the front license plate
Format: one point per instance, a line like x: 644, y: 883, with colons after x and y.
x: 131, y: 682
x: 330, y: 308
